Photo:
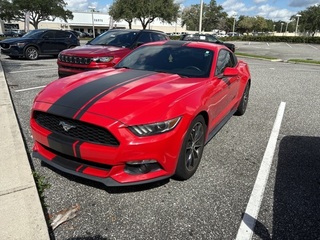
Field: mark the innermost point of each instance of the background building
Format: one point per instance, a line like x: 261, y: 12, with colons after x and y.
x: 100, y: 22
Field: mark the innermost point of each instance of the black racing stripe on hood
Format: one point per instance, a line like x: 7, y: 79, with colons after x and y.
x: 108, y: 90
x: 86, y: 95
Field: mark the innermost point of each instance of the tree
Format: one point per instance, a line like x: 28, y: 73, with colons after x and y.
x: 122, y: 10
x: 39, y: 10
x: 146, y: 11
x: 310, y: 19
x: 213, y: 17
x: 7, y: 10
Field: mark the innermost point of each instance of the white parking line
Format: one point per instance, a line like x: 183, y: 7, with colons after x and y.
x: 28, y: 89
x: 313, y: 47
x: 289, y: 45
x: 34, y: 70
x: 249, y: 218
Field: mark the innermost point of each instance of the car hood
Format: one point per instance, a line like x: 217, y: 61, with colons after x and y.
x: 95, y: 50
x: 121, y: 94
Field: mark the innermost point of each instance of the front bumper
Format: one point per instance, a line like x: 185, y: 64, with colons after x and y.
x: 110, y: 165
x: 12, y: 51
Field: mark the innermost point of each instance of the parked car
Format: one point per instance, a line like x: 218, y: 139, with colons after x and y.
x: 78, y: 33
x: 14, y: 33
x: 105, y: 50
x: 234, y: 34
x: 206, y: 38
x: 148, y: 118
x: 39, y: 42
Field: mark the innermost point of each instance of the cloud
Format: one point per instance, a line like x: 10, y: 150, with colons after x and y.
x: 270, y: 12
x: 303, y: 3
x: 260, y: 1
x: 83, y: 6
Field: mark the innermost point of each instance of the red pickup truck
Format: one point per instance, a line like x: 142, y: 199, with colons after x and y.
x: 104, y: 51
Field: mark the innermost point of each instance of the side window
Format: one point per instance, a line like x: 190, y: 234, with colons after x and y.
x: 225, y: 59
x: 49, y: 34
x: 158, y: 37
x: 63, y: 34
x: 145, y: 37
x: 211, y: 39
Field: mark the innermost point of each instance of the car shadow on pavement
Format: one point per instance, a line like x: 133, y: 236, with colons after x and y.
x: 296, y: 205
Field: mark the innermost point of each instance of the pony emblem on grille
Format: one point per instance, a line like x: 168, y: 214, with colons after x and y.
x: 66, y: 126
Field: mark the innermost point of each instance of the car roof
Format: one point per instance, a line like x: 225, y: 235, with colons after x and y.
x: 196, y: 44
x: 136, y: 30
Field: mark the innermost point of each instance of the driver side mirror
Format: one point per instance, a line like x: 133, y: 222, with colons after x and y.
x: 229, y: 72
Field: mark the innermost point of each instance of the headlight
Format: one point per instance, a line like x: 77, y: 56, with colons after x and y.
x: 102, y: 59
x: 20, y: 45
x: 155, y: 128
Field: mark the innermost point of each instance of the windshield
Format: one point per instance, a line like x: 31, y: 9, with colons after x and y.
x: 115, y: 38
x: 176, y: 59
x: 33, y: 34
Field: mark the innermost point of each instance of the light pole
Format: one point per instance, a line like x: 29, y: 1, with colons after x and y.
x: 298, y: 16
x: 92, y: 10
x: 200, y: 18
x: 281, y: 27
x: 287, y: 26
x: 234, y: 24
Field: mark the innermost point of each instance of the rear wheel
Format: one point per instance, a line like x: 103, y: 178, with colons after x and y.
x: 192, y: 149
x: 31, y: 53
x: 244, y: 101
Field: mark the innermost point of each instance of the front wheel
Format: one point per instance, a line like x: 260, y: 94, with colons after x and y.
x: 31, y: 53
x: 192, y: 149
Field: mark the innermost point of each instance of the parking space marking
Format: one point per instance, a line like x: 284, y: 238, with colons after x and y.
x: 34, y: 70
x: 289, y: 45
x: 313, y: 47
x: 250, y: 216
x: 28, y: 89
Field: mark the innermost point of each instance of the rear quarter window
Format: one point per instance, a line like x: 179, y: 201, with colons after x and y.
x: 62, y: 34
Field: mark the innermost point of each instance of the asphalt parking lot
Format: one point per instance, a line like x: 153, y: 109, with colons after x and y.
x: 211, y: 204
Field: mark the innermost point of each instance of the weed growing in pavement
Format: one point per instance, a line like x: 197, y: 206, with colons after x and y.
x: 42, y: 185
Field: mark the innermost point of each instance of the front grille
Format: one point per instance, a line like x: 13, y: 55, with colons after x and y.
x: 77, y: 130
x: 74, y: 59
x: 5, y: 45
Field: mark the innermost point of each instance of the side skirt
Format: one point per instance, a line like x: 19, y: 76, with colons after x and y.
x: 220, y: 125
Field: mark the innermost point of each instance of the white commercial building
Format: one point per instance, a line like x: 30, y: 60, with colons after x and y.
x: 100, y: 22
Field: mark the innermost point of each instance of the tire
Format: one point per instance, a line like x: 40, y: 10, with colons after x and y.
x: 244, y: 101
x: 192, y: 149
x: 31, y: 53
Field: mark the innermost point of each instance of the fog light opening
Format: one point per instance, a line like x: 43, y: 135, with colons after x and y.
x: 142, y: 167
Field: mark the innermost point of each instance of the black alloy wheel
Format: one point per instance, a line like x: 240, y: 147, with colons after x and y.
x: 192, y: 149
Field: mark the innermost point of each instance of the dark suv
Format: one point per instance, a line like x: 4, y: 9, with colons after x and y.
x: 39, y: 42
x: 105, y: 50
x: 206, y: 38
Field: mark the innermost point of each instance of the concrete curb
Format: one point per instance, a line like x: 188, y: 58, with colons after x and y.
x: 21, y: 213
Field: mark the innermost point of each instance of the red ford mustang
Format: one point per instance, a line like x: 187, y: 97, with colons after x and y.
x: 146, y: 119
